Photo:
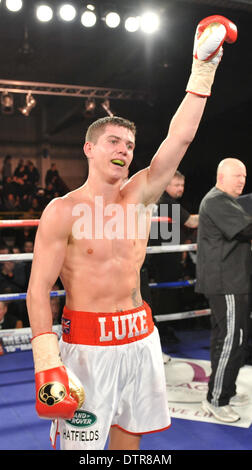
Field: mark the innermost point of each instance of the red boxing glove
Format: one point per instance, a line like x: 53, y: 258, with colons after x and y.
x: 211, y: 34
x: 207, y: 52
x: 59, y: 393
x: 55, y: 396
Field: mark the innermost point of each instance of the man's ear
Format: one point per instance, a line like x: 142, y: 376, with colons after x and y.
x: 220, y: 177
x: 87, y: 148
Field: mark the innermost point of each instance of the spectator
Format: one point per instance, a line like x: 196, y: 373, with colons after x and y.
x: 32, y: 174
x: 34, y: 207
x: 7, y: 168
x: 14, y: 279
x: 170, y: 267
x: 23, y: 235
x: 28, y: 246
x: 7, y: 319
x: 54, y: 182
x: 12, y: 275
x: 12, y: 202
x: 167, y: 267
x: 52, y: 176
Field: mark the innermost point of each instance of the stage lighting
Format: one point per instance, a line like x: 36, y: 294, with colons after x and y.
x: 88, y: 19
x: 132, y: 23
x: 7, y: 102
x: 14, y: 5
x: 90, y: 105
x: 30, y: 103
x: 44, y: 13
x: 149, y: 22
x: 106, y: 106
x: 112, y: 19
x: 90, y: 6
x: 67, y: 12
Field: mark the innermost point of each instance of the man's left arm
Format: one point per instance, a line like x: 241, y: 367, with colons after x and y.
x: 210, y: 35
x: 182, y: 130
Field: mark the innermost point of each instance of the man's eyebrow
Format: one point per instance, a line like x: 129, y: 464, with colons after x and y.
x: 119, y: 138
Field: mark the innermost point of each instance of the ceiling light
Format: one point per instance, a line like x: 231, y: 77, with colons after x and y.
x: 88, y: 19
x: 7, y: 102
x: 44, y: 13
x: 149, y: 22
x: 112, y: 19
x: 30, y: 103
x: 106, y: 106
x: 132, y: 23
x: 90, y: 104
x: 67, y: 12
x: 14, y: 5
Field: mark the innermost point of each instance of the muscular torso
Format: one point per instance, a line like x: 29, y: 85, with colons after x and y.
x: 102, y: 272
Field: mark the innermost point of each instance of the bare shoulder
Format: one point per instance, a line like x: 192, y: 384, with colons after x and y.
x: 57, y: 216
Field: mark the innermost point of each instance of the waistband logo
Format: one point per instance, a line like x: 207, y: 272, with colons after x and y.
x: 123, y: 326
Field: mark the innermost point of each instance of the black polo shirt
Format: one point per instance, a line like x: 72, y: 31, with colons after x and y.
x: 223, y: 262
x: 167, y: 267
x: 167, y: 199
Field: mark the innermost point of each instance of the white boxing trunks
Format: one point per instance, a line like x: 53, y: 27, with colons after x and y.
x: 118, y: 359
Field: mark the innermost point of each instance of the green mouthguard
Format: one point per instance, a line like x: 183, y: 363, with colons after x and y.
x: 118, y: 162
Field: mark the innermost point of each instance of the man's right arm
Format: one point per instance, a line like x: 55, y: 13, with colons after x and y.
x: 49, y: 252
x: 192, y: 221
x: 245, y: 234
x: 58, y: 391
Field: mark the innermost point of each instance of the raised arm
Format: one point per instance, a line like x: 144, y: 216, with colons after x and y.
x: 207, y: 53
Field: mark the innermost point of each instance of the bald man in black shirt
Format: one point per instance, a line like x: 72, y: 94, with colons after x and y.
x: 223, y: 275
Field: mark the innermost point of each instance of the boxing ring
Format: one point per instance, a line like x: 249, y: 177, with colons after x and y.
x: 149, y: 250
x: 17, y: 390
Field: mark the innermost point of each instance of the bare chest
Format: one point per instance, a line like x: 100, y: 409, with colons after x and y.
x: 115, y: 224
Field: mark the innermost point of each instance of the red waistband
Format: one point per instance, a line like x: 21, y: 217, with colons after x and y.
x: 106, y: 329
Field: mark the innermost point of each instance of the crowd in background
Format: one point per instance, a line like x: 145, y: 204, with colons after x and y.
x: 14, y: 279
x: 21, y: 189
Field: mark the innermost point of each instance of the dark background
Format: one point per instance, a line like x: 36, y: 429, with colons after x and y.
x: 68, y: 53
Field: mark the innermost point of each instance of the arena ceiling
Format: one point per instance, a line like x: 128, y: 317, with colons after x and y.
x: 157, y: 64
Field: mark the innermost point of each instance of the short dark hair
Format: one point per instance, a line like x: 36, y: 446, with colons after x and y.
x: 178, y: 174
x: 97, y: 127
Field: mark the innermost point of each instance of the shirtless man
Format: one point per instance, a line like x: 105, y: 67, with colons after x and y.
x: 112, y: 361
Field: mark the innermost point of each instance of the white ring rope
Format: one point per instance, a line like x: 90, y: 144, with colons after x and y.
x: 149, y: 250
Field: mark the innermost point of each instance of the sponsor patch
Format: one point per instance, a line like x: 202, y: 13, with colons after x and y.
x: 82, y: 419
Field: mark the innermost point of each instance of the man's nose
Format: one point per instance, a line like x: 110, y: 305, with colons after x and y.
x: 123, y: 148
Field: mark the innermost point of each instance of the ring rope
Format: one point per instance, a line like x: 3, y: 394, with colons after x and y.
x: 22, y: 295
x: 149, y: 250
x: 35, y: 222
x: 160, y: 285
x: 182, y: 315
x: 59, y: 293
x: 19, y: 223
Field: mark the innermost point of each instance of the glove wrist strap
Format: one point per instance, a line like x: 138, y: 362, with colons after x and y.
x: 201, y: 78
x: 46, y: 354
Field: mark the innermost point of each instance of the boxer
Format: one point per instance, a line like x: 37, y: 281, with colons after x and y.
x: 109, y: 342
